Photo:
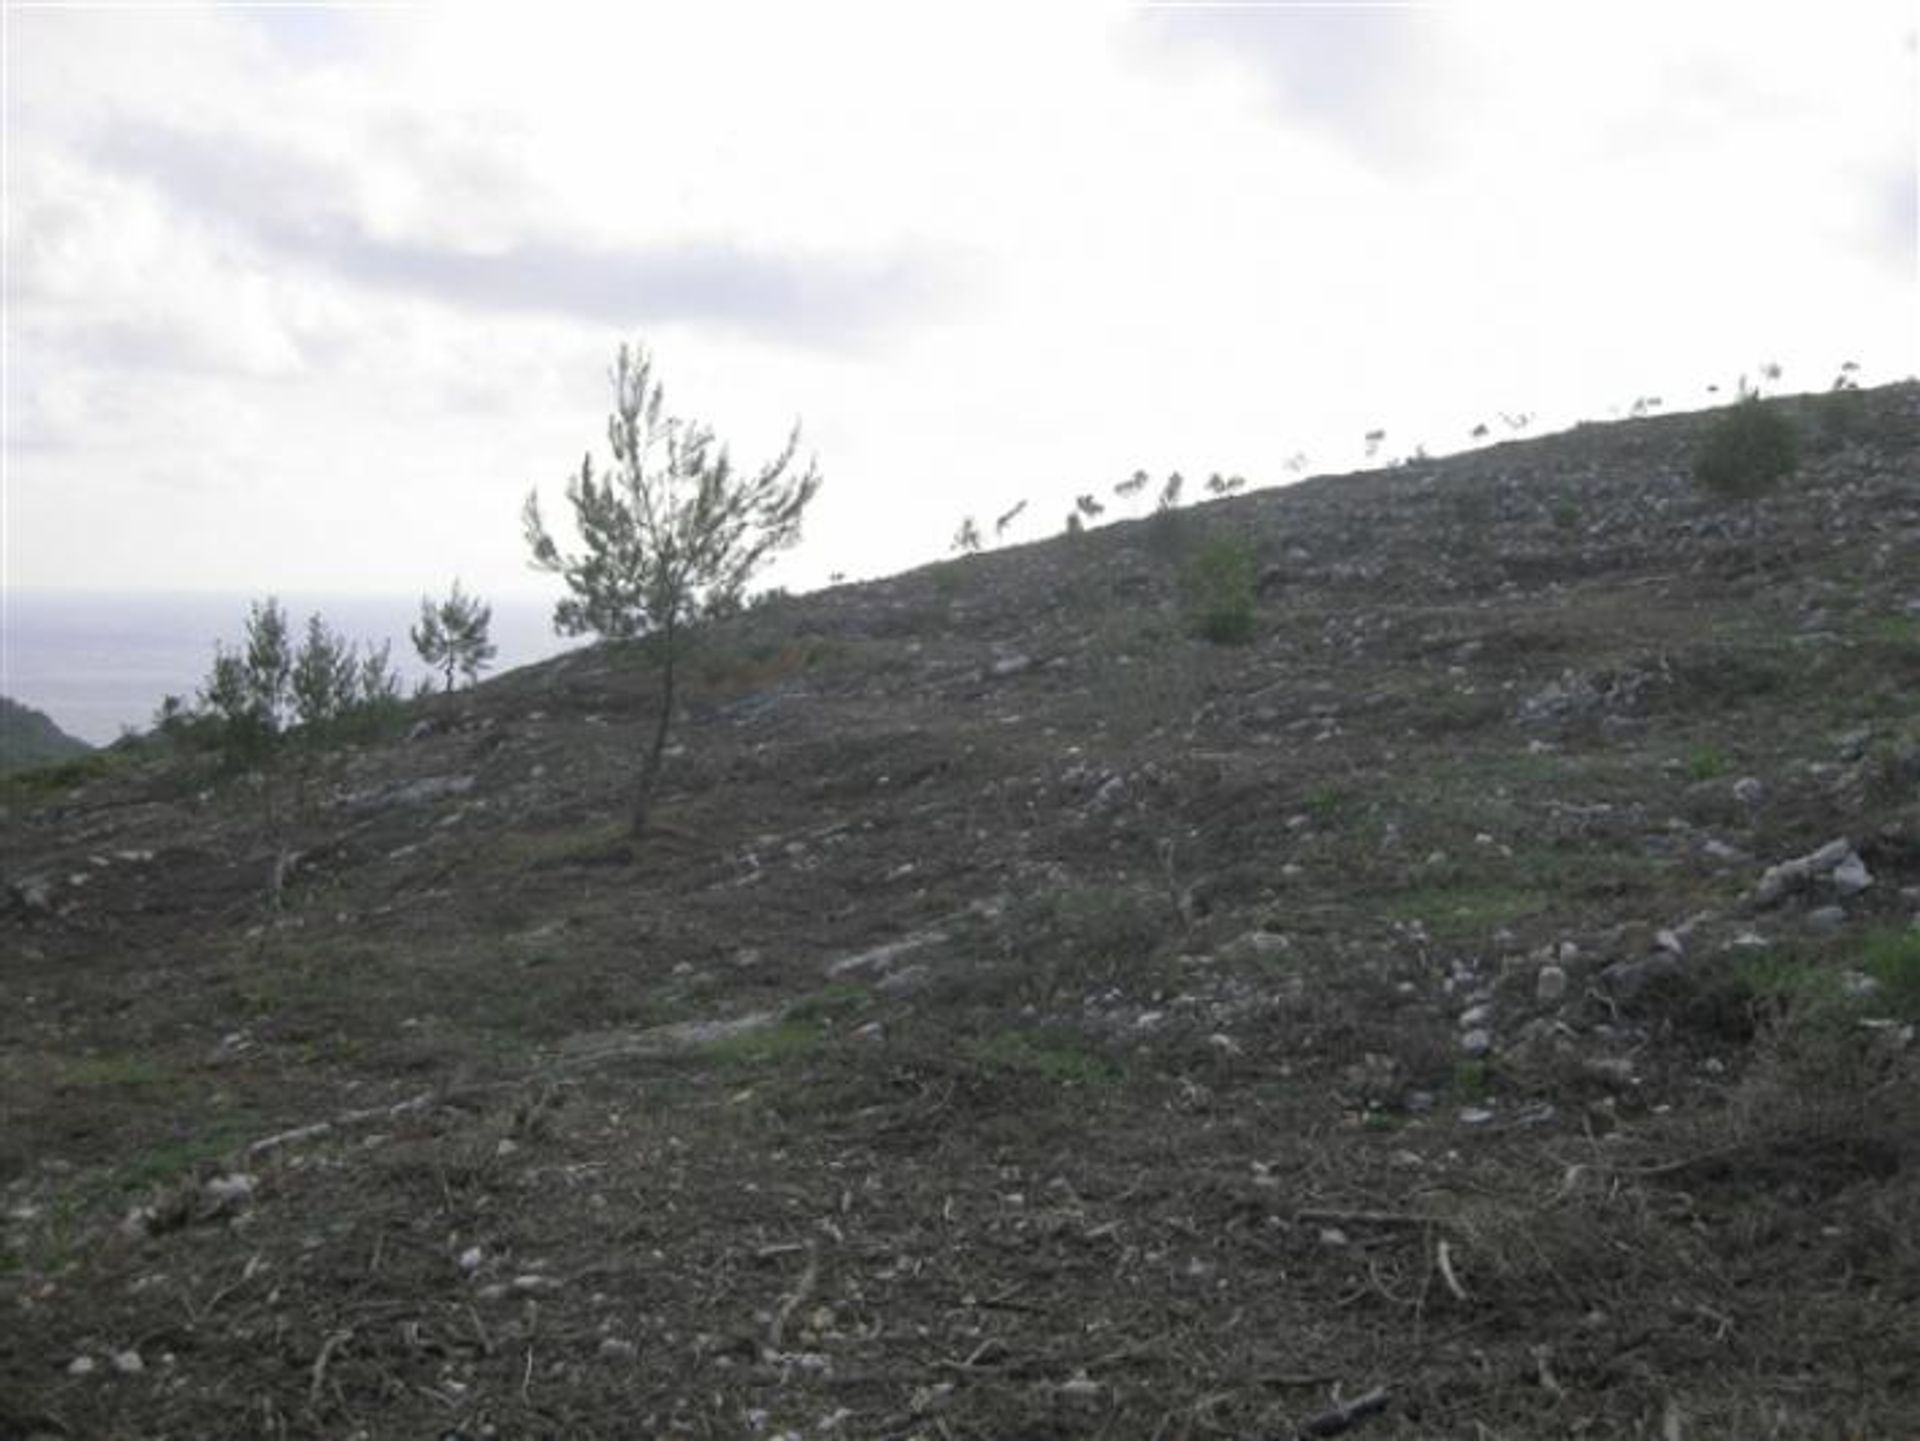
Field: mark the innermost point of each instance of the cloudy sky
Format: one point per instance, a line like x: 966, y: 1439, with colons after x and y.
x: 307, y: 297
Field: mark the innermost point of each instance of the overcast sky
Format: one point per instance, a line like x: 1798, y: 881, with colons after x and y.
x: 306, y: 298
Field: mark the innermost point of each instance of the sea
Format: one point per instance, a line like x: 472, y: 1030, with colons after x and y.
x: 100, y: 663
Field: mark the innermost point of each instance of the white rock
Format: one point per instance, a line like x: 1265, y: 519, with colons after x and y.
x: 471, y: 1258
x: 1748, y: 791
x: 231, y: 1190
x: 1476, y: 1042
x: 128, y: 1363
x: 1550, y: 986
x: 1851, y: 876
x: 82, y: 1366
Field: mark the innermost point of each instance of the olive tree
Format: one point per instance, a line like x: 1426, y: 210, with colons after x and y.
x: 671, y: 533
x: 453, y: 635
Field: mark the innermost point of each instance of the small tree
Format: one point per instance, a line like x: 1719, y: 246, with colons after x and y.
x: 673, y: 529
x: 966, y: 540
x: 452, y: 636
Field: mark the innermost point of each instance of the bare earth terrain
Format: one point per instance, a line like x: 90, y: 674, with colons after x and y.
x: 1482, y: 1006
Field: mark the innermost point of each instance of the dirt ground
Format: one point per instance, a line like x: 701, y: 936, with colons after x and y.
x: 1029, y: 1019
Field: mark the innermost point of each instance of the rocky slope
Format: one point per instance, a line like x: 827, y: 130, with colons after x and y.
x: 1481, y: 1004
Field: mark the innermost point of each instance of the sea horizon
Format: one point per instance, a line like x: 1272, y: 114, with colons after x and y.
x: 99, y: 663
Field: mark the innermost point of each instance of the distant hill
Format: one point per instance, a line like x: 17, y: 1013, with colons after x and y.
x: 29, y: 738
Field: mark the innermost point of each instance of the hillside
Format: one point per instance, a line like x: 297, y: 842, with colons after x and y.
x: 1482, y: 1005
x: 30, y: 738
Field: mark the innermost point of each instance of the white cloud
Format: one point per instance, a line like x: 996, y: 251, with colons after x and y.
x: 312, y: 297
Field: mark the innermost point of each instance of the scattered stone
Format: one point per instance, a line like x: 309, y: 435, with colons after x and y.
x: 1477, y: 1042
x: 231, y: 1192
x: 1783, y: 880
x: 409, y: 793
x: 1827, y: 919
x: 33, y: 893
x: 1256, y: 946
x: 616, y: 1348
x: 1748, y: 791
x: 1669, y: 941
x: 1550, y: 985
x: 470, y: 1259
x: 82, y: 1366
x: 128, y: 1363
x: 1476, y: 1115
x: 1011, y: 665
x: 882, y: 959
x: 1851, y: 876
x: 1616, y: 1071
x: 1474, y: 1017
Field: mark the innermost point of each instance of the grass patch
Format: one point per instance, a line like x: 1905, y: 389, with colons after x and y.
x: 1061, y: 1060
x: 1705, y: 763
x: 1892, y: 959
x: 765, y: 1045
x: 123, y: 1074
x: 1454, y: 911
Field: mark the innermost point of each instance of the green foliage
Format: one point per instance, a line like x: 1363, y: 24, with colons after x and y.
x: 268, y: 692
x: 1218, y: 582
x: 1747, y: 449
x: 1705, y: 763
x: 672, y: 533
x: 452, y: 636
x: 1892, y: 959
x: 673, y: 525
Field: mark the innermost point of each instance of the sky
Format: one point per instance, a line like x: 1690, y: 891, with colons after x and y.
x: 308, y: 297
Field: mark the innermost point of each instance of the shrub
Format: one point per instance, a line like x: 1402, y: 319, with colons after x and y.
x: 1746, y: 450
x: 1219, y: 585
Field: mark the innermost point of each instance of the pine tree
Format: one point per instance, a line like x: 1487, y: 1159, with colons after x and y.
x: 672, y: 533
x: 452, y: 636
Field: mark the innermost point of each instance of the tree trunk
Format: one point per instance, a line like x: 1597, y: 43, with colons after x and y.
x: 650, y: 763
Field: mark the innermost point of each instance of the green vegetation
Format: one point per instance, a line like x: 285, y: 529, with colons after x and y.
x: 1705, y: 763
x: 1746, y: 450
x: 666, y: 541
x: 452, y: 636
x: 1892, y: 959
x: 1062, y: 1059
x: 1219, y: 586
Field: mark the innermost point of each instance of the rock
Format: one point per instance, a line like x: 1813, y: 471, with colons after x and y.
x: 82, y: 1366
x: 1474, y: 1017
x: 1550, y: 985
x: 1827, y: 918
x: 1614, y: 1071
x: 1256, y: 946
x: 128, y: 1363
x: 1748, y: 791
x: 33, y: 893
x: 1783, y: 880
x: 881, y: 959
x: 1010, y: 665
x: 615, y: 1348
x: 1476, y: 1042
x: 229, y: 1192
x: 1851, y: 876
x: 409, y: 793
